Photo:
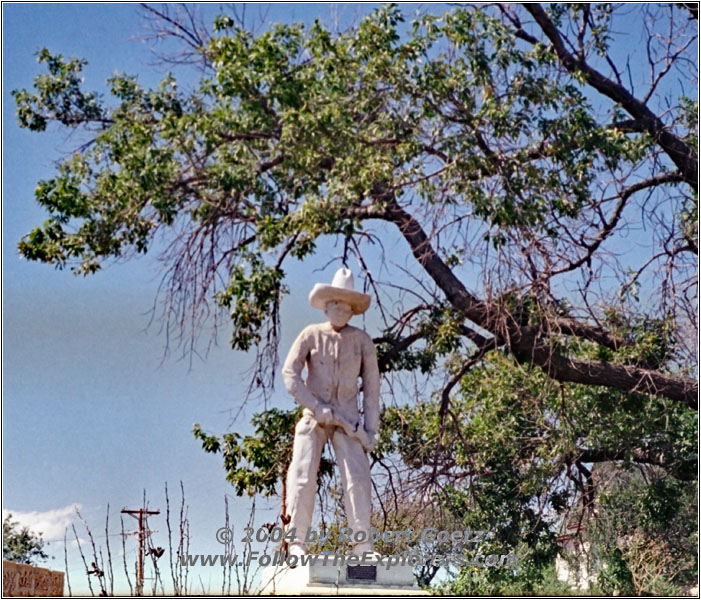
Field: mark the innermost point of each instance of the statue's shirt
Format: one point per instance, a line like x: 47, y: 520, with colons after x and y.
x: 334, y: 361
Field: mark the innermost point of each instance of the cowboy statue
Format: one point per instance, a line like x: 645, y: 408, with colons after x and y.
x: 335, y: 355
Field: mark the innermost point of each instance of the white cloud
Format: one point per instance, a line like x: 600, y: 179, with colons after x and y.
x: 50, y: 523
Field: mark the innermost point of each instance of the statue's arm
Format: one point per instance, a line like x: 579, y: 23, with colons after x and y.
x: 292, y: 372
x: 371, y: 387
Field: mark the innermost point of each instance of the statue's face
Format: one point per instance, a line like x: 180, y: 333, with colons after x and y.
x: 338, y: 313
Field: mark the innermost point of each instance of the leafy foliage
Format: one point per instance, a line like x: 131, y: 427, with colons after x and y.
x: 644, y: 535
x: 507, y: 459
x: 257, y: 464
x: 21, y: 545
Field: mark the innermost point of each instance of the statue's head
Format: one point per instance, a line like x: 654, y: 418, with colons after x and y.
x: 338, y: 313
x: 339, y: 300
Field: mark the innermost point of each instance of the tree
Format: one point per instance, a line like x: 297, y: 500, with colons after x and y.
x: 645, y: 533
x: 515, y: 457
x: 517, y: 151
x: 20, y: 544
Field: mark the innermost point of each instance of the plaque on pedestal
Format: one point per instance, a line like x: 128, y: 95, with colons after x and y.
x: 323, y: 577
x: 361, y: 573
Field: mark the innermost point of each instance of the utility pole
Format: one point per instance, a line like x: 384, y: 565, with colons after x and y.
x: 141, y: 514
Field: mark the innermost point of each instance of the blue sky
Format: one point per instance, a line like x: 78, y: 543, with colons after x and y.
x: 91, y: 413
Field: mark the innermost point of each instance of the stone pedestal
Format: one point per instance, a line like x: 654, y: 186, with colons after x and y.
x: 368, y: 578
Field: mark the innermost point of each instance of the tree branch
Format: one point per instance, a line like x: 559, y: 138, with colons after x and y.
x: 618, y: 210
x: 684, y: 470
x: 682, y: 155
x: 397, y: 346
x: 622, y: 377
x: 570, y: 326
x: 525, y: 341
x: 692, y: 7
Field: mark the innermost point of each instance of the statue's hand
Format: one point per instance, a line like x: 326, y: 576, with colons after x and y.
x: 368, y: 441
x: 324, y: 414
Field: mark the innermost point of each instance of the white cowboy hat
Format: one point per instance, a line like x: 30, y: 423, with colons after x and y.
x: 341, y: 288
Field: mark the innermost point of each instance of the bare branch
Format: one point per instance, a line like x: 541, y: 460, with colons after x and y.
x: 681, y: 154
